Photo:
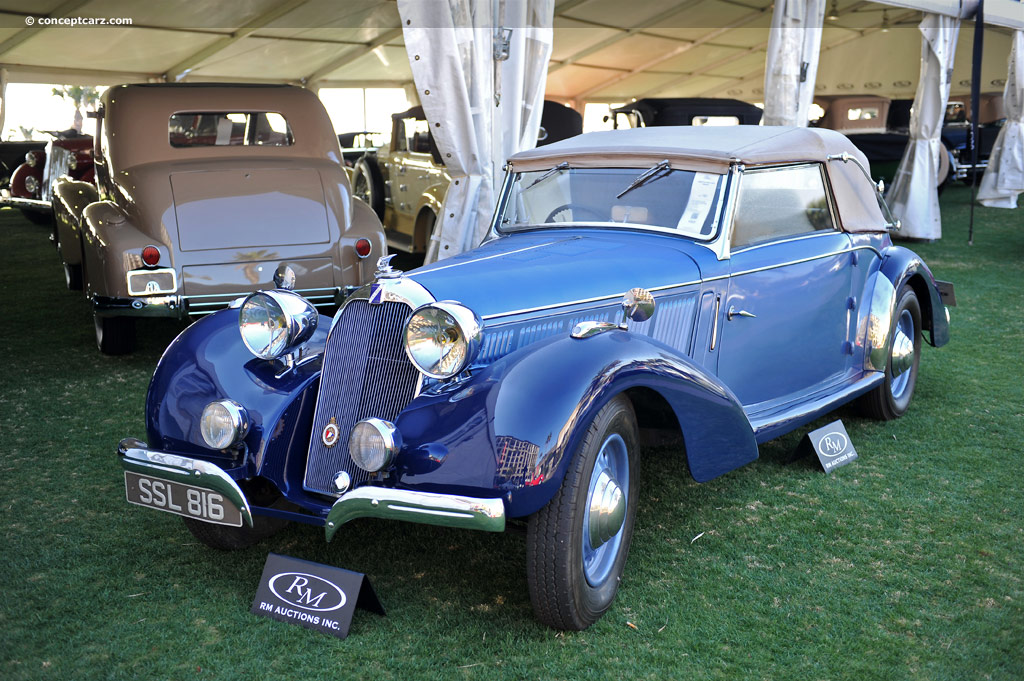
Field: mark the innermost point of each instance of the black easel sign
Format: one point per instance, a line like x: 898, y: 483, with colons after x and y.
x: 312, y: 595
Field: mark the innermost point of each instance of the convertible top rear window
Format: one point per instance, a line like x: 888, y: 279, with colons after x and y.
x: 228, y: 129
x: 659, y: 197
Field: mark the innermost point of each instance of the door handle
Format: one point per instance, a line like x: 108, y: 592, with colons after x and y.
x: 733, y: 312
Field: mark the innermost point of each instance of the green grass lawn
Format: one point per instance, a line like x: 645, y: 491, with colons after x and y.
x: 906, y: 564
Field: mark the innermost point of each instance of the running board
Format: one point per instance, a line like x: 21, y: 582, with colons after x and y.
x: 769, y: 425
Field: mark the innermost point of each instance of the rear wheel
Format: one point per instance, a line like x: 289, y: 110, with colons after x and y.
x: 891, y: 399
x: 577, y: 544
x: 115, y: 335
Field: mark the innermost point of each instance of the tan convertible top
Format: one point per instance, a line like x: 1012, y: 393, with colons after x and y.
x: 714, y: 149
x: 137, y: 116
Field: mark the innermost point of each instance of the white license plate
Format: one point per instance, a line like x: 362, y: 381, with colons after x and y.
x: 185, y: 500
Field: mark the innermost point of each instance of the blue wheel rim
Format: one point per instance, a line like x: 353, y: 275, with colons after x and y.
x: 598, y: 562
x: 899, y: 384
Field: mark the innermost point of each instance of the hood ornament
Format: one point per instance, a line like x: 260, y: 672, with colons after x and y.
x: 384, y: 268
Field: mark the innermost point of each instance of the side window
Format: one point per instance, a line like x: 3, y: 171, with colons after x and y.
x: 780, y: 202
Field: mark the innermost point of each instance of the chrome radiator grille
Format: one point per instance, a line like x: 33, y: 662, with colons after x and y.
x: 365, y: 374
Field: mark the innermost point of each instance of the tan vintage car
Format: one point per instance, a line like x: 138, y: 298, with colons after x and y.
x: 405, y: 181
x: 205, y: 193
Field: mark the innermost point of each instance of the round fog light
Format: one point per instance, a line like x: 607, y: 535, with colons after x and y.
x: 373, y: 444
x: 224, y: 423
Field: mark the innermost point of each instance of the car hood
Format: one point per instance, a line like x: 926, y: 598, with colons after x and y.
x: 525, y: 271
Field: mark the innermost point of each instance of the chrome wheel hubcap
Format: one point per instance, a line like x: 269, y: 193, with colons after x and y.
x: 607, y: 509
x: 902, y: 353
x: 607, y: 499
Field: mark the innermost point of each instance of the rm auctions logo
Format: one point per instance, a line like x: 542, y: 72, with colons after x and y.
x: 307, y: 591
x: 832, y: 444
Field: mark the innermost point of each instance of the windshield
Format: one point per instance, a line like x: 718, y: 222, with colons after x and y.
x: 683, y: 201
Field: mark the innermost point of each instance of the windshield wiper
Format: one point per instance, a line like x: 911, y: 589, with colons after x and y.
x: 560, y: 167
x: 646, y: 176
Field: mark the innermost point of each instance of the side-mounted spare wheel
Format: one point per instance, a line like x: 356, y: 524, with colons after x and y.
x: 368, y: 184
x: 577, y: 545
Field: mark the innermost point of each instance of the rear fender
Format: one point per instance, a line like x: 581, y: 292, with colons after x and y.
x: 69, y: 202
x: 903, y: 266
x: 514, y: 426
x: 113, y: 246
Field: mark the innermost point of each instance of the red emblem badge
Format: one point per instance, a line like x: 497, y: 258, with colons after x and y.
x: 331, y: 433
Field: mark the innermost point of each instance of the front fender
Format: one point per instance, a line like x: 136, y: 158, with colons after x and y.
x: 903, y: 266
x: 514, y: 427
x: 208, y: 361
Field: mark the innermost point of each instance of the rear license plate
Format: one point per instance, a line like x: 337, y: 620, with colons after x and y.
x: 185, y: 500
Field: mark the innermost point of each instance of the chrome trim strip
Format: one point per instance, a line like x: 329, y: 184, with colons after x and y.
x: 447, y: 510
x: 694, y: 282
x: 136, y: 456
x: 305, y: 292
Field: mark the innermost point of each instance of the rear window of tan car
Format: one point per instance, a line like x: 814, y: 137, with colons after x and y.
x: 228, y: 129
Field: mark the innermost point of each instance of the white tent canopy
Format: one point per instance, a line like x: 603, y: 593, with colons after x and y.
x: 1003, y: 181
x: 601, y: 51
x: 481, y: 97
x: 792, y: 62
x: 914, y: 196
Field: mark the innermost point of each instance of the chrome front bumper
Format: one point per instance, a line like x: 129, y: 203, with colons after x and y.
x: 447, y: 510
x: 137, y: 457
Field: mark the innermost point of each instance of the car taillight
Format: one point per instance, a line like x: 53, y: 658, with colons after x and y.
x: 150, y: 255
x: 363, y: 248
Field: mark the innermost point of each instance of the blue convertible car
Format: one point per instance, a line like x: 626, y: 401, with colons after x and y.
x: 732, y: 283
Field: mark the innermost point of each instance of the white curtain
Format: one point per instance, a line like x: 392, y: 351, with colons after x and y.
x: 3, y: 100
x: 480, y: 109
x: 1004, y: 178
x: 791, y: 66
x: 914, y: 196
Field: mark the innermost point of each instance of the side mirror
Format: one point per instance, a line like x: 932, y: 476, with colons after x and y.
x: 638, y: 305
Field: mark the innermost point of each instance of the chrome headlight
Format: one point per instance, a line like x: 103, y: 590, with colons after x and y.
x: 31, y: 184
x: 224, y: 423
x: 441, y: 339
x: 373, y: 444
x: 273, y: 323
x: 72, y: 162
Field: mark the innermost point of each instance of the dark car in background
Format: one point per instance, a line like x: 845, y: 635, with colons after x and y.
x: 658, y: 111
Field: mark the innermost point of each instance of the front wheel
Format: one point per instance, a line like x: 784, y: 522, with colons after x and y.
x: 577, y: 545
x: 891, y: 399
x: 227, y: 538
